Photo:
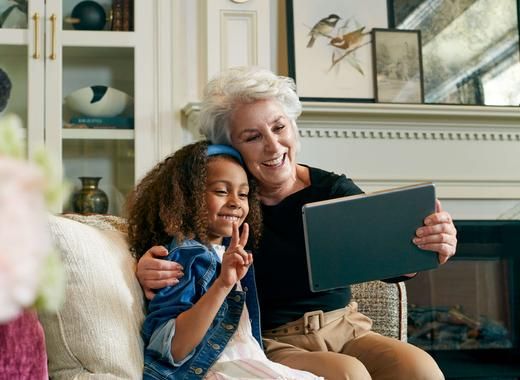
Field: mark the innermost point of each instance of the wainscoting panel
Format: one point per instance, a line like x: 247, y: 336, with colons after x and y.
x: 237, y: 34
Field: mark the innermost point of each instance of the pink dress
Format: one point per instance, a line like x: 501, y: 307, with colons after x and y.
x: 243, y: 358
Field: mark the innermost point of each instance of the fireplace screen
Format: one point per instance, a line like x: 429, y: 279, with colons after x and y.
x: 462, y: 305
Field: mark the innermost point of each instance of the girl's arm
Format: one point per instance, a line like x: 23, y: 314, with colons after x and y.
x: 192, y: 325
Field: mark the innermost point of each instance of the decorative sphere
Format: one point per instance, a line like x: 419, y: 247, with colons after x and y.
x: 91, y: 16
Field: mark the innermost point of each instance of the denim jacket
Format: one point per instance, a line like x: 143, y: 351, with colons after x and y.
x: 201, y: 268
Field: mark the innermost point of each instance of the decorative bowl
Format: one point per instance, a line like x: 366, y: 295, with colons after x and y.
x: 98, y: 101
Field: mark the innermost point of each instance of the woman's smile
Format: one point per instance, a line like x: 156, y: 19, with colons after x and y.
x: 267, y: 141
x: 275, y: 162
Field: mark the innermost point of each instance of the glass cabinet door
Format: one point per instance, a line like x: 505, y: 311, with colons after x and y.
x: 73, y: 65
x: 22, y: 59
x: 90, y: 126
x: 98, y: 139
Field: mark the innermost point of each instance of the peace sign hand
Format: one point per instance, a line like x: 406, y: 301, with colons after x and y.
x: 236, y: 260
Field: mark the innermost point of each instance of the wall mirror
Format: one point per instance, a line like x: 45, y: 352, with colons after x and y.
x: 470, y: 48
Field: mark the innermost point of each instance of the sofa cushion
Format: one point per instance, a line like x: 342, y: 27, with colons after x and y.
x: 385, y: 304
x: 96, y: 333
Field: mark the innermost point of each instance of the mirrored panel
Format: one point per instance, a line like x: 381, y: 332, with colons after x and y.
x: 470, y: 48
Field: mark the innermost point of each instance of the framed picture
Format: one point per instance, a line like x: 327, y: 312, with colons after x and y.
x: 397, y: 66
x: 330, y: 56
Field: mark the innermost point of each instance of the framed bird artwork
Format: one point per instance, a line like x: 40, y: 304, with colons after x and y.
x: 329, y: 48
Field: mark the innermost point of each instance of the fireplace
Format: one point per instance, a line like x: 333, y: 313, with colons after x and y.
x: 467, y: 312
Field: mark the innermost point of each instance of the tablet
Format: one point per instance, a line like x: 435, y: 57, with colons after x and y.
x: 367, y: 237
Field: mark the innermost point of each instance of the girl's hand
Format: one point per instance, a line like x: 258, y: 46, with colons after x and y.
x: 438, y: 234
x: 154, y: 273
x: 236, y: 260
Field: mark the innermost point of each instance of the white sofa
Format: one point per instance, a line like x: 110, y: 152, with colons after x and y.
x: 96, y: 334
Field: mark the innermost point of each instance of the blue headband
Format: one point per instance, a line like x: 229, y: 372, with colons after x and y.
x: 217, y: 149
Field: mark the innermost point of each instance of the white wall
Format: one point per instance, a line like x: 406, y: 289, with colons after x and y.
x: 471, y: 153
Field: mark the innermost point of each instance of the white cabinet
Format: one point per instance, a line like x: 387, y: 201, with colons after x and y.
x: 49, y: 59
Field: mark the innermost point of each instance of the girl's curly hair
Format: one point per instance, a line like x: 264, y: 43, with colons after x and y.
x: 169, y: 202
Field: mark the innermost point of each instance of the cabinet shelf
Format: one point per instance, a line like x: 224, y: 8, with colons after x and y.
x: 98, y: 38
x: 98, y: 134
x: 14, y: 37
x: 99, y: 53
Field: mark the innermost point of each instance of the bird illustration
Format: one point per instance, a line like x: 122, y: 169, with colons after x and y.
x: 348, y: 40
x: 323, y: 28
x: 348, y: 43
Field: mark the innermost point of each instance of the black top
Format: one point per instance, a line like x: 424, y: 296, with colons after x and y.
x: 281, y: 262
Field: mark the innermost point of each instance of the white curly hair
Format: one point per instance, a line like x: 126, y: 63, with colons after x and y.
x: 239, y: 85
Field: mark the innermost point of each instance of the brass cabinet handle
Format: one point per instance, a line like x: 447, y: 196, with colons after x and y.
x: 36, y: 18
x: 53, y: 37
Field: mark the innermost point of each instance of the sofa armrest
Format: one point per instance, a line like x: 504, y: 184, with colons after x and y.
x: 385, y: 304
x: 96, y: 333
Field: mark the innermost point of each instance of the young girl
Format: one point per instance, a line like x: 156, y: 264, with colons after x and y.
x: 192, y: 202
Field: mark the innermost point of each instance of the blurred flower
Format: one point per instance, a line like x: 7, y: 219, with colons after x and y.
x: 11, y: 132
x: 30, y: 269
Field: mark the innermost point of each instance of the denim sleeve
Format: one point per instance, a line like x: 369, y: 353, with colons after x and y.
x: 171, y: 301
x: 161, y: 343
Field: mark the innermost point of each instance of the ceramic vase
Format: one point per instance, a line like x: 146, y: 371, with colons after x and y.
x: 90, y: 199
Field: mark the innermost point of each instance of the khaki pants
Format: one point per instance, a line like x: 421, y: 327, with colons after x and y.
x: 339, y: 345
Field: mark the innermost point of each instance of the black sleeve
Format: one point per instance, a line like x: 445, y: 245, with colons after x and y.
x: 344, y: 186
x: 394, y: 280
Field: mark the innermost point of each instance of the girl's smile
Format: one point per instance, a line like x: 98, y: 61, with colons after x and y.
x: 226, y: 197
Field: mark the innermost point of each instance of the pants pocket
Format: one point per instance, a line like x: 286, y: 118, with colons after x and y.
x: 360, y: 323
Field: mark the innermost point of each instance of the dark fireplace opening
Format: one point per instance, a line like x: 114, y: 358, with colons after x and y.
x: 466, y: 313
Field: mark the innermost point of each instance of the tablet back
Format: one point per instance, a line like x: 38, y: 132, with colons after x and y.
x: 367, y: 237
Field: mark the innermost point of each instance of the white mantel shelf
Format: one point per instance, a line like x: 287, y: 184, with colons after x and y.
x: 470, y: 152
x: 409, y: 109
x: 388, y: 116
x: 421, y: 114
x: 444, y: 122
x: 406, y: 111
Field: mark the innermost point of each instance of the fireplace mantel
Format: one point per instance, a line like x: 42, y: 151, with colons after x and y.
x: 470, y: 152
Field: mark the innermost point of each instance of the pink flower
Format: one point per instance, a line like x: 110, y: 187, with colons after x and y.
x: 24, y: 237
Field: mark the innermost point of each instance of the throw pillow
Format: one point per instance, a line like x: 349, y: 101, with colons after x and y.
x: 96, y: 334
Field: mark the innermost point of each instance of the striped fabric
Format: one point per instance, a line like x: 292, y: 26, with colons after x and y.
x: 243, y: 358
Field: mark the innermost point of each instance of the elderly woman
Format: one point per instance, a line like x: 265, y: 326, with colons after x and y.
x: 255, y: 111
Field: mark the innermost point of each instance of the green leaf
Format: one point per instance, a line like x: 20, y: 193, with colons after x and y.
x: 5, y: 14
